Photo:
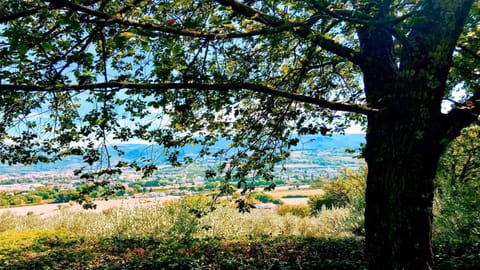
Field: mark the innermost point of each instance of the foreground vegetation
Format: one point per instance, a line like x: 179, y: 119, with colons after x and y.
x: 182, y: 234
x: 172, y: 236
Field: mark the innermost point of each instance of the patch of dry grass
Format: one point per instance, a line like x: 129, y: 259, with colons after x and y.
x: 279, y: 194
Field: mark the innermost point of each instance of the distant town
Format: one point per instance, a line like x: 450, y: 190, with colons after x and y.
x: 319, y: 160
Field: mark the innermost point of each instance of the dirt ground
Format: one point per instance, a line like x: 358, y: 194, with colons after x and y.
x: 51, y: 209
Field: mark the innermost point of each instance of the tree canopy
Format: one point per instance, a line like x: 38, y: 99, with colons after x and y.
x: 257, y: 73
x: 173, y: 73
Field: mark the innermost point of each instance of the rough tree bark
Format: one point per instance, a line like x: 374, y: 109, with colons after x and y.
x: 402, y: 157
x: 406, y: 138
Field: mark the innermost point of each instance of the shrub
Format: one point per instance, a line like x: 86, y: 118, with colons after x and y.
x: 19, y: 200
x: 296, y: 210
x: 34, y: 199
x: 347, y: 190
x: 457, y: 218
x: 199, y: 205
x: 181, y: 218
x: 265, y: 198
x: 4, y: 202
x: 458, y: 191
x: 335, y: 196
x: 65, y: 196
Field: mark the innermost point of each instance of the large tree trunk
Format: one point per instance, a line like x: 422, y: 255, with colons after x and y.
x: 398, y: 219
x: 407, y: 136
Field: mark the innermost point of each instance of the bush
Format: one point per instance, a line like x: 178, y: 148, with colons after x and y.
x: 65, y: 196
x: 296, y: 210
x: 183, y: 216
x: 199, y: 205
x: 335, y: 196
x: 19, y: 200
x: 347, y: 190
x: 34, y: 199
x: 4, y: 202
x: 265, y: 198
x: 457, y: 218
x: 458, y: 191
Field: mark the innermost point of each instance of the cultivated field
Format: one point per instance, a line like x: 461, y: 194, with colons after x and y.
x: 51, y: 209
x: 286, y: 194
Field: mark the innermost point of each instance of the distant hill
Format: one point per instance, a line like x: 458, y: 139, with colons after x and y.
x: 335, y: 144
x: 331, y: 143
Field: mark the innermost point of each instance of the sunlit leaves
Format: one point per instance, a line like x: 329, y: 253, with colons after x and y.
x: 461, y: 162
x: 466, y: 68
x: 82, y: 47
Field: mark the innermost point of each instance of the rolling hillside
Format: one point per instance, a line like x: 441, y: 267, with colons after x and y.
x: 316, y: 150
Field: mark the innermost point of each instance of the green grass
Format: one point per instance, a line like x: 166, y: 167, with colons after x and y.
x: 46, y: 251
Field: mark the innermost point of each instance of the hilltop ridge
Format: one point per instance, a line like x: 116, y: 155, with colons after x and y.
x: 310, y: 147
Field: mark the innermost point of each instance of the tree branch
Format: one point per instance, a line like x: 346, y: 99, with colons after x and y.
x: 338, y: 49
x: 107, y: 19
x: 469, y: 52
x: 276, y: 25
x: 191, y: 33
x: 462, y: 116
x: 14, y: 16
x: 78, y: 7
x: 252, y: 13
x: 258, y: 88
x: 303, y: 30
x: 358, y: 17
